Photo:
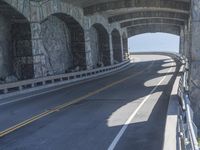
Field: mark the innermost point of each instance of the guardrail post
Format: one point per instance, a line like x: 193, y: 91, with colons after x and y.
x: 186, y: 117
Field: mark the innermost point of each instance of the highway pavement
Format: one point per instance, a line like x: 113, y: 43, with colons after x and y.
x: 122, y: 111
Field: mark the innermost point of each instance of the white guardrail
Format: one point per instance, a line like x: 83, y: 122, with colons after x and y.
x: 59, y: 79
x: 187, y: 128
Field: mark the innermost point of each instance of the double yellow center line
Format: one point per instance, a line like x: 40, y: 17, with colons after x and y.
x: 58, y: 108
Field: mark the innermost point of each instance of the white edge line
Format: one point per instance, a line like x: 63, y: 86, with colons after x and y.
x: 123, y: 129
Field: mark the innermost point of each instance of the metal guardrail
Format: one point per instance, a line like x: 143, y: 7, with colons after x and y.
x: 58, y: 79
x: 187, y: 128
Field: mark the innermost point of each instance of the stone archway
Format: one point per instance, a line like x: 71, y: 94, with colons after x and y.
x: 16, y: 62
x: 100, y: 45
x: 64, y: 44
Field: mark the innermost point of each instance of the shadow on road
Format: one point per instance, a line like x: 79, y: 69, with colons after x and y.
x: 85, y: 125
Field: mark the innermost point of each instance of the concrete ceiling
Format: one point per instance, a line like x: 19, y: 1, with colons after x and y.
x: 124, y: 6
x: 139, y: 12
x: 87, y: 3
x: 165, y: 28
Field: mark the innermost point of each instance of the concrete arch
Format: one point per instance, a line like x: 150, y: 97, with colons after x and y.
x: 159, y: 25
x: 152, y: 28
x: 152, y: 21
x: 116, y: 26
x: 147, y: 15
x: 51, y: 7
x: 135, y: 5
x: 103, y: 47
x: 98, y: 19
x: 116, y: 43
x: 15, y: 45
x: 64, y: 44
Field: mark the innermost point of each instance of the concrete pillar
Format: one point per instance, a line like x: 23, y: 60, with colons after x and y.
x: 122, y: 49
x: 37, y: 50
x: 186, y: 43
x: 88, y: 50
x: 181, y: 44
x: 111, y: 49
x: 194, y: 59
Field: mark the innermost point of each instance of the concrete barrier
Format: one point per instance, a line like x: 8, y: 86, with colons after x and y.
x: 17, y: 87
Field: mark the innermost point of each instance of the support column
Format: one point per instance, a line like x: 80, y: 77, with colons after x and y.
x: 39, y: 62
x: 37, y: 50
x: 88, y: 50
x: 181, y: 44
x: 122, y: 48
x: 194, y: 59
x: 111, y: 49
x: 186, y: 46
x: 125, y: 47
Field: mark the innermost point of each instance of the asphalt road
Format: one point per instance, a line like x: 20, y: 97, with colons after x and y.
x: 123, y: 111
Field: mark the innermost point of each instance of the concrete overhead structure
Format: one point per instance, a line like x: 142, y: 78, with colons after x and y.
x: 193, y: 54
x: 87, y: 34
x: 48, y: 37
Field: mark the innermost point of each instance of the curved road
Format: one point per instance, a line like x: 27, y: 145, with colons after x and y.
x: 122, y: 111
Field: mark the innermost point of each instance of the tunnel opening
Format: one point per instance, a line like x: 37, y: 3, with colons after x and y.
x: 64, y: 44
x: 117, y: 48
x: 16, y: 58
x: 154, y: 42
x: 100, y: 46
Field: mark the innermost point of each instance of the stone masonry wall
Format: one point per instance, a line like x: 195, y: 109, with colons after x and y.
x: 94, y: 47
x: 42, y: 61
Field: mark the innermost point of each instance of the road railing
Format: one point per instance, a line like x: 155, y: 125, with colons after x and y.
x: 176, y: 56
x: 59, y: 79
x: 186, y: 126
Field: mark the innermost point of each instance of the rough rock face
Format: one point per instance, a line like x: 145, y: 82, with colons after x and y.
x: 56, y: 39
x: 11, y: 78
x: 94, y: 46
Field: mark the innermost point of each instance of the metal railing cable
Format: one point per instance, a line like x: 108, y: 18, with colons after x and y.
x: 187, y: 128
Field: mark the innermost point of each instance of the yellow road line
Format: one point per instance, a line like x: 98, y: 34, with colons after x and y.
x: 57, y: 108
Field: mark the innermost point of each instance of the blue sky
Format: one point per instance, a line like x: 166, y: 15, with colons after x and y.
x: 154, y: 42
